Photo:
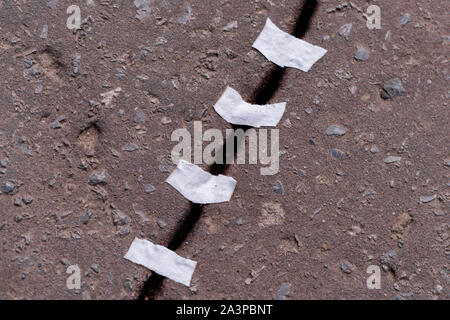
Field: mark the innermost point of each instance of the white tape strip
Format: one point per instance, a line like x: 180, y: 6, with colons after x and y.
x: 285, y: 50
x: 234, y: 110
x: 161, y: 260
x: 199, y: 186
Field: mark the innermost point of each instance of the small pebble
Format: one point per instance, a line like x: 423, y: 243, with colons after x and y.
x: 232, y: 25
x: 162, y: 224
x: 405, y: 19
x: 130, y: 147
x: 346, y: 30
x: 336, y: 153
x: 374, y: 149
x: 7, y: 187
x: 392, y: 159
x: 335, y: 130
x: 98, y: 178
x: 278, y: 188
x: 95, y: 267
x: 392, y: 89
x: 28, y: 200
x: 369, y: 192
x: 124, y: 231
x: 426, y: 199
x: 55, y: 125
x: 149, y: 188
x: 347, y: 267
x: 362, y: 54
x: 139, y: 116
x: 85, y: 217
x: 283, y: 291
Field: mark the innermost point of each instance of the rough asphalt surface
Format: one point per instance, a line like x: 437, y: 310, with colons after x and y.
x: 364, y: 173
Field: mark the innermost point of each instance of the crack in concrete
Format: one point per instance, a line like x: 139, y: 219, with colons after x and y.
x: 262, y: 95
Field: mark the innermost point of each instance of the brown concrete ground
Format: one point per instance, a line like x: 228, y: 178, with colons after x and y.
x: 334, y: 218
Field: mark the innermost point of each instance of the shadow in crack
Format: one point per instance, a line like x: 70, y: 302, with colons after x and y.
x: 262, y: 95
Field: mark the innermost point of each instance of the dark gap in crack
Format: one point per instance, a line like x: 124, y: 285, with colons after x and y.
x: 221, y: 168
x: 268, y: 86
x: 262, y: 95
x: 153, y: 285
x: 304, y: 19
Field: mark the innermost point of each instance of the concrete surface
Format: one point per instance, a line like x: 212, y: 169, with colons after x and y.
x: 334, y: 218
